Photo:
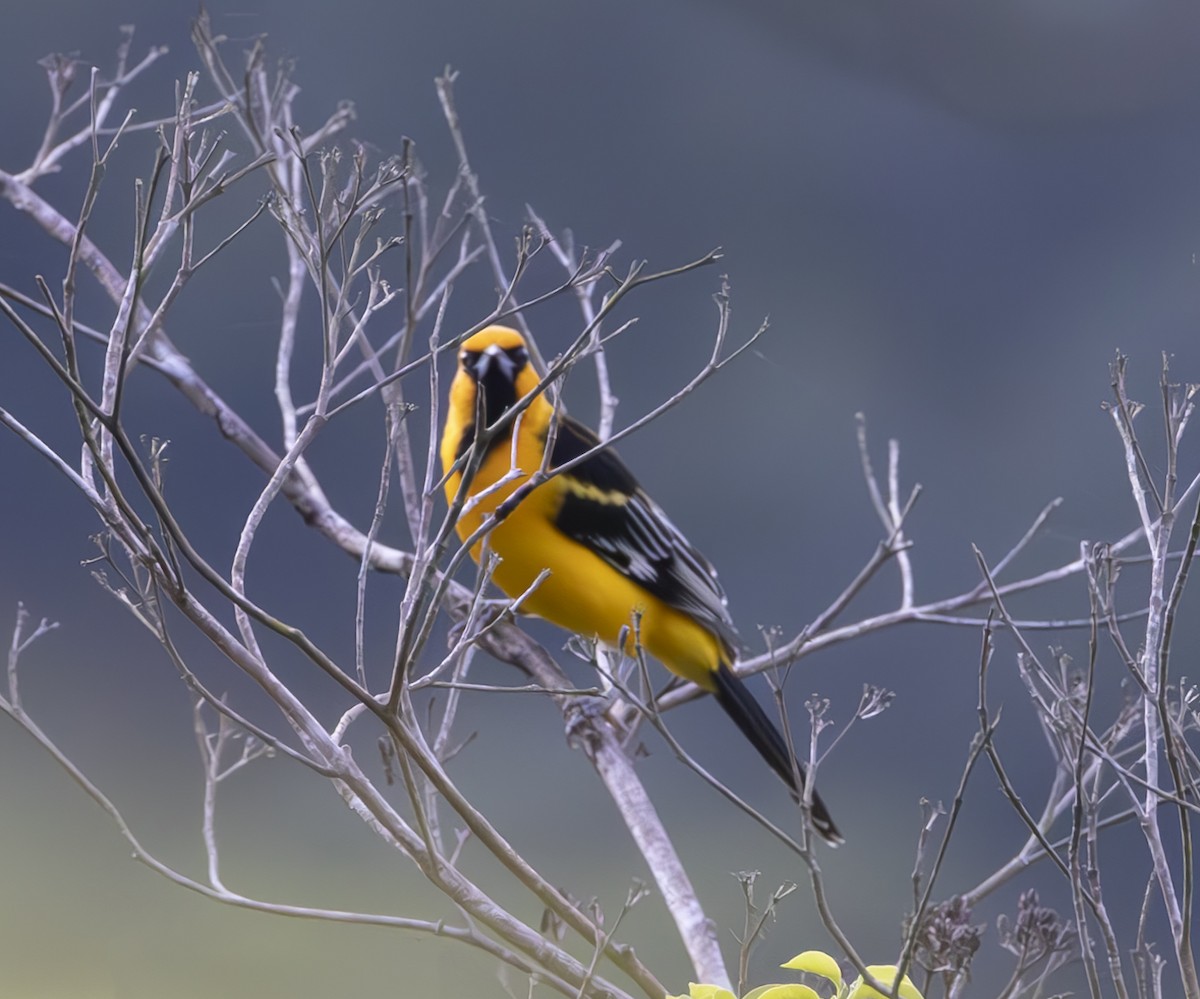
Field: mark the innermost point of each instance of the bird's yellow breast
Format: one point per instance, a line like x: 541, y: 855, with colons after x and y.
x: 582, y: 593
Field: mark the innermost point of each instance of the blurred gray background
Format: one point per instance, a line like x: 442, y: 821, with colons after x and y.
x: 954, y: 218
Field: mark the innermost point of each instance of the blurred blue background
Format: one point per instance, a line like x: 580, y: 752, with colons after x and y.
x: 954, y: 218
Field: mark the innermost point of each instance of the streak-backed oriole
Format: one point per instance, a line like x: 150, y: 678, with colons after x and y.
x: 609, y: 548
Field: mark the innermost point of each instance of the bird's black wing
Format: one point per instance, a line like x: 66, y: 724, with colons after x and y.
x: 606, y: 510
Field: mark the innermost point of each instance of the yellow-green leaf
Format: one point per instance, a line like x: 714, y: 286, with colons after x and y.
x: 885, y: 974
x: 696, y: 991
x: 789, y: 991
x: 817, y: 962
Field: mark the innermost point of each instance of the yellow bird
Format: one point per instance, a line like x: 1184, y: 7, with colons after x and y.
x: 609, y: 548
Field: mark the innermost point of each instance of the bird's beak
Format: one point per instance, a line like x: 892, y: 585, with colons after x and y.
x: 495, y: 373
x: 495, y: 366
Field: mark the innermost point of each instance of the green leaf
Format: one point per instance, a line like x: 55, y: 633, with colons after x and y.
x: 817, y: 962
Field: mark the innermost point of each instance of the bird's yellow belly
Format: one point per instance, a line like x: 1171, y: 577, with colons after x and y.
x: 583, y: 593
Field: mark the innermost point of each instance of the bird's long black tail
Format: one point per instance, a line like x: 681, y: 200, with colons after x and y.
x: 748, y: 715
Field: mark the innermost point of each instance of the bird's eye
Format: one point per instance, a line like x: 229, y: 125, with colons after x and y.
x: 519, y: 357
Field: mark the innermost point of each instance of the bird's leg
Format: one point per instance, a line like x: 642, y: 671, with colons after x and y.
x: 581, y: 714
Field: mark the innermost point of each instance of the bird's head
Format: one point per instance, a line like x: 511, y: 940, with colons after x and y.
x: 494, y: 372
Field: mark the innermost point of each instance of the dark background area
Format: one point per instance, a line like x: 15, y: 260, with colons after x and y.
x: 953, y: 217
